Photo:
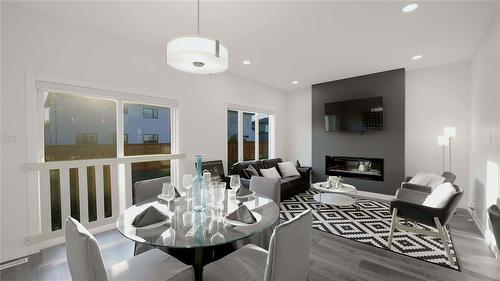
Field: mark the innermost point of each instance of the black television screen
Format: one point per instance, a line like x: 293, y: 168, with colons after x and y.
x: 355, y: 115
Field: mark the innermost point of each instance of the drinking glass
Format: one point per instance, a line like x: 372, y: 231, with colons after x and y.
x: 187, y: 181
x: 235, y: 184
x: 168, y: 192
x: 219, y: 189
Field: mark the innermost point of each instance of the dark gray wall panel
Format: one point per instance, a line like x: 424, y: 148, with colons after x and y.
x: 387, y: 144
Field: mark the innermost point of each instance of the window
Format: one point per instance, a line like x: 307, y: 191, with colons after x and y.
x: 232, y: 138
x: 72, y: 128
x: 248, y: 136
x: 149, y: 113
x: 147, y: 137
x: 150, y: 138
x: 263, y: 136
x: 78, y: 127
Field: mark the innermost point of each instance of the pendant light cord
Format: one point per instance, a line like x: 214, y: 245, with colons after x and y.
x: 198, y: 20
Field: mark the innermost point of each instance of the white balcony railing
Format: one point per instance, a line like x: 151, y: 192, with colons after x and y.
x: 121, y: 191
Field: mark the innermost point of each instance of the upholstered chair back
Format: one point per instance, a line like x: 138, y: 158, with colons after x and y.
x: 147, y: 189
x: 449, y: 177
x: 288, y: 258
x: 83, y: 253
x: 447, y: 211
x: 267, y: 187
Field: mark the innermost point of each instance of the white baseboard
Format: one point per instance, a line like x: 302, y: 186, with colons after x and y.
x: 477, y: 221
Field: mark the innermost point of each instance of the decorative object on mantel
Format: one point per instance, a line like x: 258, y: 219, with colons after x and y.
x: 339, y: 183
x: 195, y: 54
x: 450, y: 133
x: 443, y: 142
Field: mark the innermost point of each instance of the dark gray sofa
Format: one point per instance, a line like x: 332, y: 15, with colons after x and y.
x: 290, y: 186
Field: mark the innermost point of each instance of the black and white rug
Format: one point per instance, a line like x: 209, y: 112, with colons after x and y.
x: 369, y: 223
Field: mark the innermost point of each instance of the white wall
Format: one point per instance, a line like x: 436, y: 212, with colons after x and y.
x: 298, y: 130
x: 485, y: 127
x: 437, y: 97
x: 36, y: 44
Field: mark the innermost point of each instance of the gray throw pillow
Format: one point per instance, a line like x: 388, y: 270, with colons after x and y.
x: 251, y: 171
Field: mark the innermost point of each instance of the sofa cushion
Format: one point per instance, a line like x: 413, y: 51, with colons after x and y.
x: 270, y: 163
x: 251, y: 171
x: 288, y: 169
x: 270, y: 173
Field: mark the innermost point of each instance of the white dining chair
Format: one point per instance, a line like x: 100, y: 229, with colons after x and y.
x: 267, y: 187
x: 287, y: 259
x: 86, y: 263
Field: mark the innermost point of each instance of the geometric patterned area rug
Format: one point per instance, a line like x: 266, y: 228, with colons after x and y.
x: 368, y: 222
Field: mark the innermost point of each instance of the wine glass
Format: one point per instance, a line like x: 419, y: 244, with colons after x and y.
x: 187, y: 181
x: 168, y: 192
x: 235, y: 184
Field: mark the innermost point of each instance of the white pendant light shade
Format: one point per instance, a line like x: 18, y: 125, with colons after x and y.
x: 195, y: 54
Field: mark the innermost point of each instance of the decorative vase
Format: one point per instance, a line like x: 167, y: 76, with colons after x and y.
x: 198, y: 192
x: 339, y: 184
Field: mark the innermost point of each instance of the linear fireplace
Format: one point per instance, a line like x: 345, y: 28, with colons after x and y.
x: 355, y: 167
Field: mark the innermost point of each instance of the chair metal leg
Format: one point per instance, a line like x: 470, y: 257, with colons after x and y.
x: 393, y: 226
x: 444, y: 239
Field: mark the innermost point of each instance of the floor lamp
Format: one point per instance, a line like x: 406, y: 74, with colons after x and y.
x: 450, y: 133
x: 443, y: 142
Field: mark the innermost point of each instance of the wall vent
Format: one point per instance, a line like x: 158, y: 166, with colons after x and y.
x: 13, y: 263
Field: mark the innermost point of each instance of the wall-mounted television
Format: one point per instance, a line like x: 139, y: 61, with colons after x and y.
x: 358, y: 115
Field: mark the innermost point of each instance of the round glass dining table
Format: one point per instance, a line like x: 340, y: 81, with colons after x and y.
x: 187, y: 229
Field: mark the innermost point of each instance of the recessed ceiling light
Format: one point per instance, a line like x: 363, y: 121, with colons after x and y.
x: 409, y: 8
x: 417, y: 57
x: 295, y: 82
x: 246, y: 62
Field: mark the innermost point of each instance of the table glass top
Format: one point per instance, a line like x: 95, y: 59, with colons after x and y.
x: 188, y: 229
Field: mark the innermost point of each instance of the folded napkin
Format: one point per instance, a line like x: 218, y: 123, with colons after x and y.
x: 149, y: 216
x: 242, y: 214
x: 243, y: 192
x: 177, y: 193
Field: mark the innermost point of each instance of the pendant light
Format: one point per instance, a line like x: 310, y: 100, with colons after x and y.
x: 195, y: 54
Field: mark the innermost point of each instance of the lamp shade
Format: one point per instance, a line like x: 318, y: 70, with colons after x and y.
x: 450, y: 132
x: 442, y: 141
x: 195, y: 54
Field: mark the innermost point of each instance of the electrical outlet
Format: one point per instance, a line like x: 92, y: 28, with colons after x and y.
x: 8, y: 140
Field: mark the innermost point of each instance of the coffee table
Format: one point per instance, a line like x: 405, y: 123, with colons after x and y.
x: 345, y: 196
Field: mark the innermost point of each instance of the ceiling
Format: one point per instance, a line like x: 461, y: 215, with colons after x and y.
x: 310, y: 42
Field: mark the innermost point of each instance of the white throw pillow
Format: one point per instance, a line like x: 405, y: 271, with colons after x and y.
x: 427, y: 179
x: 288, y: 169
x: 435, y: 180
x: 270, y: 173
x: 421, y: 179
x: 440, y: 195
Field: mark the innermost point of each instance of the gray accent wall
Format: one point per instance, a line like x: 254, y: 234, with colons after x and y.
x: 388, y: 143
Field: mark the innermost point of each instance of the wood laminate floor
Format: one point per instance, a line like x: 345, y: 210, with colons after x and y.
x: 331, y: 258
